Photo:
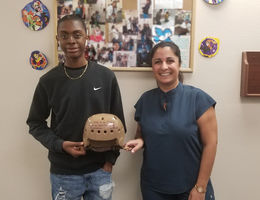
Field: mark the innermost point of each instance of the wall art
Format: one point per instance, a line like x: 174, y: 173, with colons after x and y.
x: 122, y: 32
x: 35, y: 15
x: 214, y: 2
x: 209, y: 47
x: 38, y: 60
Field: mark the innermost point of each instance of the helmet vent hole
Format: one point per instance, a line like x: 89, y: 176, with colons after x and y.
x: 98, y: 131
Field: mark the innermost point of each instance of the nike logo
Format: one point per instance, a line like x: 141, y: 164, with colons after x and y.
x: 98, y: 88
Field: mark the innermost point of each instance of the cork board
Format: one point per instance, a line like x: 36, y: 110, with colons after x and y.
x: 122, y: 32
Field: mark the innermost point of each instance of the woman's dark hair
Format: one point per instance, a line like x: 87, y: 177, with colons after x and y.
x: 72, y: 17
x: 175, y: 49
x: 173, y: 46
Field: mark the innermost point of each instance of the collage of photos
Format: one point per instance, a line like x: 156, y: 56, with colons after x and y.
x: 123, y: 38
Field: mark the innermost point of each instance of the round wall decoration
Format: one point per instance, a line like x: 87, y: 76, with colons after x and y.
x: 214, y: 2
x: 38, y: 60
x: 35, y: 15
x: 209, y: 47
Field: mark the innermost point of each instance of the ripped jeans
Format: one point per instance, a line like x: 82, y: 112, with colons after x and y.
x: 97, y: 185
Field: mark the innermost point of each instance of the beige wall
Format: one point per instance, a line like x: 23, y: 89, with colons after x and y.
x: 24, y: 166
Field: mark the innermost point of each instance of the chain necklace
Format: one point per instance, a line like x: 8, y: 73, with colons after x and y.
x: 78, y: 77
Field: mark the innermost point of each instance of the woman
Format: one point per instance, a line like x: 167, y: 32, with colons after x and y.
x: 178, y: 130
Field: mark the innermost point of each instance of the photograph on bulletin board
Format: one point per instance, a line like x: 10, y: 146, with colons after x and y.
x: 121, y: 33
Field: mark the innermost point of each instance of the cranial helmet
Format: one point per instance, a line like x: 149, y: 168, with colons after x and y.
x: 103, y: 132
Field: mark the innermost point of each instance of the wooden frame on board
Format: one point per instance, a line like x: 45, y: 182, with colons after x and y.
x: 121, y: 38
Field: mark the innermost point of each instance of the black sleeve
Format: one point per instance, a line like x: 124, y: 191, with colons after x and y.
x: 39, y: 112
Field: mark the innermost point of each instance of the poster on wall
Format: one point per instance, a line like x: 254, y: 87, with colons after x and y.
x: 35, y: 15
x: 122, y: 33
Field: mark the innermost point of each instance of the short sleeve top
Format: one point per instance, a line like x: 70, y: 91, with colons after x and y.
x: 173, y: 148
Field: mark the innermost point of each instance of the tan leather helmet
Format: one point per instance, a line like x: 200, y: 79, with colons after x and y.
x: 103, y: 132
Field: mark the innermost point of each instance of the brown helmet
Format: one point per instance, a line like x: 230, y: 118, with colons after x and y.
x: 103, y: 132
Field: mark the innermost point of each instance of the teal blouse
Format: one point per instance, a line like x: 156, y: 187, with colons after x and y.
x: 172, y: 151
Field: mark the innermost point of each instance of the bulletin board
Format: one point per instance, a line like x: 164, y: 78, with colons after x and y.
x: 121, y: 33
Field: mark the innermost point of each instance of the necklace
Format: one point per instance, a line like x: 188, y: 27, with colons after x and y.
x: 78, y: 77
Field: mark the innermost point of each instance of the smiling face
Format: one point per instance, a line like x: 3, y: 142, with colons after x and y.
x: 72, y: 37
x: 166, y: 67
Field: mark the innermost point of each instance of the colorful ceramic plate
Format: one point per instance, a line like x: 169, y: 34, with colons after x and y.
x: 35, y: 15
x: 38, y: 60
x: 214, y: 2
x: 209, y: 47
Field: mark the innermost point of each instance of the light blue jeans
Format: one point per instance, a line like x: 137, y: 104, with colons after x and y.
x: 97, y: 185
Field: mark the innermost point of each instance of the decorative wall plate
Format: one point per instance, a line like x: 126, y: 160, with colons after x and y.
x: 35, y: 15
x: 38, y: 60
x: 209, y: 47
x: 214, y: 2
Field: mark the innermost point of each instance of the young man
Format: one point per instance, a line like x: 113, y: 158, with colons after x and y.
x: 72, y: 92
